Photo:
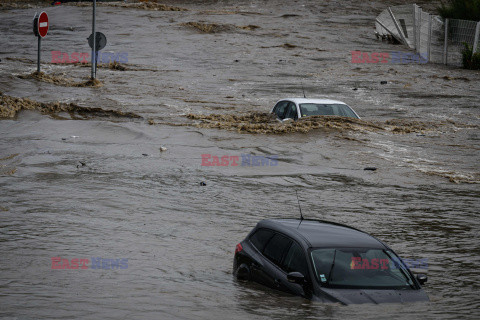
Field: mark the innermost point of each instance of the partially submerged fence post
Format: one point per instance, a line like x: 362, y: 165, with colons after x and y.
x: 445, y: 45
x: 94, y: 53
x: 415, y: 27
x: 475, y: 43
x: 419, y: 28
x: 429, y: 40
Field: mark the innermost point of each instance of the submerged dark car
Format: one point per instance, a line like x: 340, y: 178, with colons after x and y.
x: 325, y: 261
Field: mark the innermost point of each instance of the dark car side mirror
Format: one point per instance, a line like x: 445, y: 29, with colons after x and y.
x: 296, y: 277
x: 422, y: 278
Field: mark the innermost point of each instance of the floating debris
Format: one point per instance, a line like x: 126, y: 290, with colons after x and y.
x: 288, y: 46
x: 249, y: 27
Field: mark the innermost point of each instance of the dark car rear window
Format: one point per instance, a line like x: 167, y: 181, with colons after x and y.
x: 260, y: 238
x: 276, y: 247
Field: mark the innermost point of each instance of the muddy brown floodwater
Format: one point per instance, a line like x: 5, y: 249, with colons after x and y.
x: 115, y: 171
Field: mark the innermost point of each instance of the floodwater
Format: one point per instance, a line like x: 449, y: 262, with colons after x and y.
x: 79, y: 186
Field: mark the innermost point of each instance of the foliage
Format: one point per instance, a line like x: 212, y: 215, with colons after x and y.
x: 470, y: 60
x: 460, y: 9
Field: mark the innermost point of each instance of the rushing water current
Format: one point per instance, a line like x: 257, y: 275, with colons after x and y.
x: 128, y: 188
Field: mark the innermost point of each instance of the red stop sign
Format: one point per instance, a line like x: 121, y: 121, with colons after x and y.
x: 42, y: 24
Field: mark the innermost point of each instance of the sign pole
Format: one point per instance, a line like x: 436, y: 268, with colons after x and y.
x: 40, y: 30
x: 94, y: 53
x: 38, y: 54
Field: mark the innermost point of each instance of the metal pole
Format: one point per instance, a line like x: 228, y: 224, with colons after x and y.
x: 94, y: 52
x: 38, y: 53
x: 419, y: 29
x: 445, y: 45
x: 475, y: 43
x: 414, y: 27
x: 429, y: 37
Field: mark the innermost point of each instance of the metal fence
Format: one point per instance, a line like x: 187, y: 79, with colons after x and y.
x: 436, y: 39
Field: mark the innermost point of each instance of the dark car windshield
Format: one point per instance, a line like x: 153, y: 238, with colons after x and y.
x: 315, y: 109
x: 360, y: 268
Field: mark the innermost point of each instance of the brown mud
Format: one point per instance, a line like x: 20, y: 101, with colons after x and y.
x: 22, y: 4
x: 216, y: 28
x: 9, y: 157
x: 455, y: 177
x: 152, y: 5
x: 11, y: 106
x: 115, y: 65
x: 7, y: 169
x: 61, y: 80
x: 257, y: 122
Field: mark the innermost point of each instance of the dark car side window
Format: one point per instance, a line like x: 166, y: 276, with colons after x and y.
x: 295, y: 260
x: 276, y: 247
x: 260, y: 238
x: 279, y: 109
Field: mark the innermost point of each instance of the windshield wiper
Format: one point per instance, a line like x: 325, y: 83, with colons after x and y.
x: 331, y: 268
x: 402, y: 270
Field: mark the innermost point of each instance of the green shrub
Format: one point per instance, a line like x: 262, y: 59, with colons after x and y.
x: 460, y: 9
x: 470, y: 60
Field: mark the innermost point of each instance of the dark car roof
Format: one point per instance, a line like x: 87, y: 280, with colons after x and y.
x: 318, y: 233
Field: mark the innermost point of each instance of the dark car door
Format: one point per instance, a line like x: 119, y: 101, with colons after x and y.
x: 291, y: 112
x: 259, y: 240
x: 268, y: 272
x: 280, y: 108
x: 295, y: 260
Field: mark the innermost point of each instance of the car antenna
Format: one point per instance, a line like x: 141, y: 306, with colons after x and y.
x: 300, y: 208
x: 303, y: 89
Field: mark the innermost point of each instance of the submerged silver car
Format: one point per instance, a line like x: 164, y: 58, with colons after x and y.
x: 296, y: 108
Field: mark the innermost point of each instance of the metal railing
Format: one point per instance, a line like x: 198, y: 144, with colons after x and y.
x: 436, y: 39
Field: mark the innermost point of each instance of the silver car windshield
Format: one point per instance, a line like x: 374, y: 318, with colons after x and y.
x: 315, y: 109
x: 360, y: 268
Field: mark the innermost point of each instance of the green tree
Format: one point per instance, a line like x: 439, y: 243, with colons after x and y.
x: 460, y: 9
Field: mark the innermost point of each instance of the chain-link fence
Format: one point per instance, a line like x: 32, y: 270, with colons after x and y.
x: 435, y: 39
